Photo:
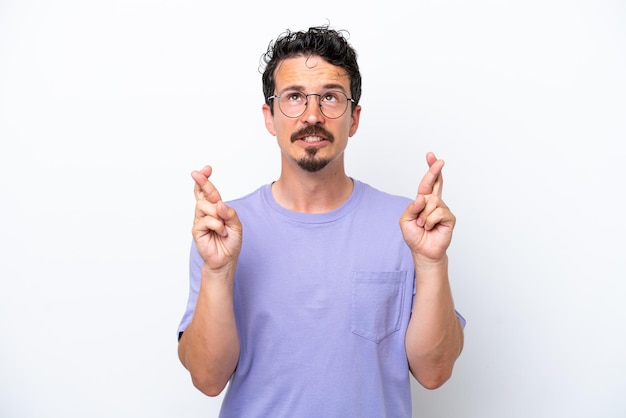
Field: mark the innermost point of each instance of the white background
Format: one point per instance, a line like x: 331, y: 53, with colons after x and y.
x: 106, y: 106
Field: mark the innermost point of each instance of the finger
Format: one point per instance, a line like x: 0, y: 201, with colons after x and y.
x: 212, y: 217
x: 432, y: 204
x: 440, y: 215
x: 206, y: 224
x: 411, y: 213
x: 427, y: 185
x: 438, y: 186
x: 197, y: 176
x: 430, y: 158
x: 228, y: 215
x: 413, y: 210
x: 203, y: 187
x: 207, y: 170
x: 205, y: 208
x: 228, y: 219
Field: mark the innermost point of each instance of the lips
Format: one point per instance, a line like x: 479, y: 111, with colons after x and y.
x: 311, y: 135
x: 312, y: 139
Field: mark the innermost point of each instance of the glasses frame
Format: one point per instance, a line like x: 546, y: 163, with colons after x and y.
x: 319, y: 102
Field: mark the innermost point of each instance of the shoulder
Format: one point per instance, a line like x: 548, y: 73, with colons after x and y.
x: 379, y: 198
x: 253, y: 198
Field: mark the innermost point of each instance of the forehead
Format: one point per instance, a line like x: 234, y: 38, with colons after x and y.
x: 309, y: 73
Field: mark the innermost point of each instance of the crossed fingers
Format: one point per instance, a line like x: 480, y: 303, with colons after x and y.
x: 203, y: 187
x: 429, y: 192
x: 208, y: 203
x: 432, y: 182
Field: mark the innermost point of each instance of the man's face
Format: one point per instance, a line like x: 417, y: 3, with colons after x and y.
x: 311, y: 140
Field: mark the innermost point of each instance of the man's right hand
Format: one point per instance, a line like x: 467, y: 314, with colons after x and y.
x: 216, y: 229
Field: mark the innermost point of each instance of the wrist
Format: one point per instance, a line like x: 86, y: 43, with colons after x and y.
x: 425, y: 264
x: 222, y: 274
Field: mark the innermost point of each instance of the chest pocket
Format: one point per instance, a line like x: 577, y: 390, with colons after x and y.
x: 377, y: 303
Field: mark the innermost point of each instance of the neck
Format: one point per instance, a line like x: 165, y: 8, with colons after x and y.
x: 317, y: 192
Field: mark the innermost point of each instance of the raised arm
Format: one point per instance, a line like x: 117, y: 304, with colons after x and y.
x: 209, y: 346
x: 434, y: 338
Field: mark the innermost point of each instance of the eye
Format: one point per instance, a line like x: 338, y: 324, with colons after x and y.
x: 330, y: 97
x: 294, y: 96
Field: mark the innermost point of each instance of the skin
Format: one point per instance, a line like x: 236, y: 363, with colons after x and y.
x: 328, y: 188
x: 209, y: 347
x: 434, y: 337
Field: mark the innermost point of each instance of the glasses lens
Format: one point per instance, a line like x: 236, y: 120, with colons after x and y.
x: 332, y: 104
x: 292, y: 103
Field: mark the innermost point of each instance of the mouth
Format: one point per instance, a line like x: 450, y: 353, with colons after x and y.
x: 312, y: 135
x: 312, y: 139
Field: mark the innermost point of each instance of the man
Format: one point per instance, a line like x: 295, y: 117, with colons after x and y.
x: 306, y: 296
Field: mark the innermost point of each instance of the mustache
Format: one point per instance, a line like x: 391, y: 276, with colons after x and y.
x: 312, y: 130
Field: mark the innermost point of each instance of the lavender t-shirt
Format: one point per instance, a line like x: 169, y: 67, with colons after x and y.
x: 322, y: 303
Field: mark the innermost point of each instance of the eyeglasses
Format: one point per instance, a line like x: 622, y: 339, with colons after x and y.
x: 333, y: 104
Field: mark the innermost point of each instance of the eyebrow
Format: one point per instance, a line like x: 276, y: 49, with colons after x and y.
x: 325, y: 87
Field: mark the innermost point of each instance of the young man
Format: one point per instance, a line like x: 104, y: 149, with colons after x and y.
x: 316, y: 295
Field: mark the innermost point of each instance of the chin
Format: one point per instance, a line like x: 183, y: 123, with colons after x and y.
x: 312, y: 165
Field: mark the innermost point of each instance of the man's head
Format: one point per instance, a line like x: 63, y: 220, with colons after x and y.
x: 313, y: 78
x: 329, y: 44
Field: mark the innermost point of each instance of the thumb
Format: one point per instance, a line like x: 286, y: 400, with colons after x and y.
x: 414, y: 209
x: 228, y: 215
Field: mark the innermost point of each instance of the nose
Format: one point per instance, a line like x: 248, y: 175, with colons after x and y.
x: 313, y: 110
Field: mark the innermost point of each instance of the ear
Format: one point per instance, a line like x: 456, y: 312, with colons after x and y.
x: 354, y: 124
x: 269, y: 119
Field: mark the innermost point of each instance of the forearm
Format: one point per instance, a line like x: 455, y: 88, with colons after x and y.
x: 434, y: 338
x: 209, y: 347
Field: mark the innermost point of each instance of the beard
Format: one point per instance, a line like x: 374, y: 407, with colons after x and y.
x: 310, y: 162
